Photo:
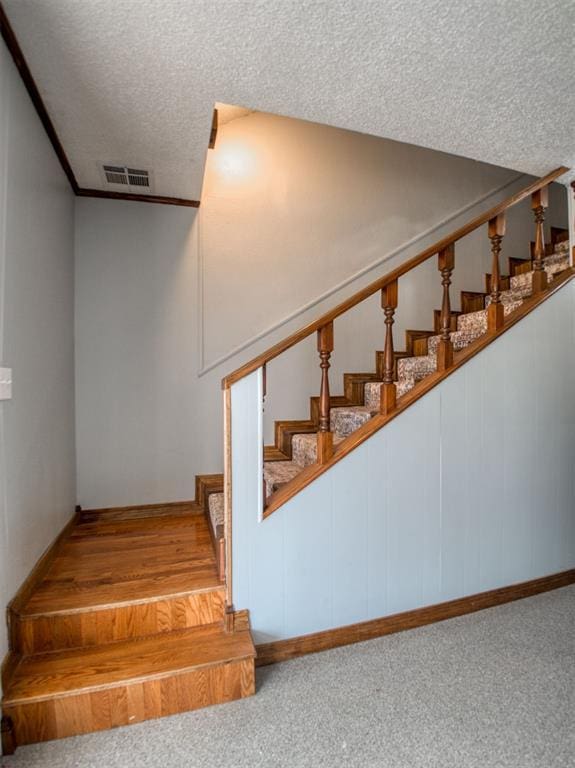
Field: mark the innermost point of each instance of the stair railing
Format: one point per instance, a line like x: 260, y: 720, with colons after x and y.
x: 388, y: 285
x: 248, y: 394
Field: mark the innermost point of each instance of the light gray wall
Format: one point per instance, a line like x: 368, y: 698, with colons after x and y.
x: 294, y: 217
x: 37, y: 467
x: 468, y: 490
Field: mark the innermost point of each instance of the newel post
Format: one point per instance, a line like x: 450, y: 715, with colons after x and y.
x: 445, y: 264
x: 324, y: 435
x: 388, y: 389
x: 495, y: 315
x: 539, y: 202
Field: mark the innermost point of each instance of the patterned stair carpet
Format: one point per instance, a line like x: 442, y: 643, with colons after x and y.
x: 410, y: 370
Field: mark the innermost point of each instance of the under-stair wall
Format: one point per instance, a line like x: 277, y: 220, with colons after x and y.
x: 470, y: 489
x: 162, y: 296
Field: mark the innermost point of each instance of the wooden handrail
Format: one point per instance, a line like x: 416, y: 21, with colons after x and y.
x: 357, y: 298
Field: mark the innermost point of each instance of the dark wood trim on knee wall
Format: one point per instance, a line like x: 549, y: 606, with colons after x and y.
x: 283, y: 650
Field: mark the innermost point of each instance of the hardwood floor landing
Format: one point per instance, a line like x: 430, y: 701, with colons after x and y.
x: 125, y: 561
x: 123, y: 622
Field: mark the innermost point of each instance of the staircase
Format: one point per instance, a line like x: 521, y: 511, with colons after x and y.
x: 127, y: 623
x: 131, y: 615
x: 296, y: 442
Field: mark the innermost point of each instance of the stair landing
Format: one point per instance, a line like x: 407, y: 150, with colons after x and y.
x: 126, y: 624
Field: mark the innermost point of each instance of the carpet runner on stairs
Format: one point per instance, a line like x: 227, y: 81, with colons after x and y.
x: 410, y: 370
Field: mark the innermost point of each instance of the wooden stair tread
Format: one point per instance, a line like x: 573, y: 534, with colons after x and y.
x: 119, y: 562
x: 91, y: 596
x: 82, y: 670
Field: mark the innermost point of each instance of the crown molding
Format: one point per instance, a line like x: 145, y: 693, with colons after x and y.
x: 15, y: 51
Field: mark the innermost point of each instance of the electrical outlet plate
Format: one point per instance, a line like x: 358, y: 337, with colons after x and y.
x: 5, y: 383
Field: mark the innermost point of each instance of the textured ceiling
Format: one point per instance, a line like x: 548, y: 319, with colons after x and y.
x: 135, y: 81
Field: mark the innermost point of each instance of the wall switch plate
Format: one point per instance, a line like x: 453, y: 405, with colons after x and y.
x: 5, y: 383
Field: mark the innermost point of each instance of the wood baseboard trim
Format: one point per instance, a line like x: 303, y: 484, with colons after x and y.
x: 38, y: 572
x: 8, y: 737
x: 140, y: 510
x: 283, y: 650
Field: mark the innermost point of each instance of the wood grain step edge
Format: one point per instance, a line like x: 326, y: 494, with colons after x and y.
x: 206, y: 484
x: 119, y: 604
x: 243, y: 635
x: 8, y: 702
x: 130, y: 703
x: 284, y: 650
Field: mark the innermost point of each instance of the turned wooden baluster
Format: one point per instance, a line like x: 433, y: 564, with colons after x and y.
x: 264, y: 393
x: 539, y: 202
x: 388, y: 389
x: 445, y: 263
x: 496, y: 231
x: 324, y: 435
x: 572, y: 250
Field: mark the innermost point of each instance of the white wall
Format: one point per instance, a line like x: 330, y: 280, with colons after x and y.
x: 294, y: 217
x: 468, y: 490
x: 37, y: 468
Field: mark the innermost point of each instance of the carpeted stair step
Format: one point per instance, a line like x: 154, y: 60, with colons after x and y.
x: 304, y: 448
x: 345, y: 420
x: 460, y: 339
x: 416, y: 367
x: 476, y: 322
x: 278, y: 473
x: 554, y: 264
x: 521, y: 284
x: 373, y: 391
x: 216, y: 508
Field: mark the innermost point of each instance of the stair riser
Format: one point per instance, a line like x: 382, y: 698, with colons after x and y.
x: 304, y: 452
x: 79, y: 629
x: 345, y: 424
x: 131, y: 703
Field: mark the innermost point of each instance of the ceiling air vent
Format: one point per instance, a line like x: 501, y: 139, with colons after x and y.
x: 127, y: 177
